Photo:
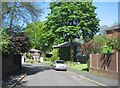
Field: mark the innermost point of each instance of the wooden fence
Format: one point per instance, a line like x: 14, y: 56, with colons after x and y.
x: 105, y: 65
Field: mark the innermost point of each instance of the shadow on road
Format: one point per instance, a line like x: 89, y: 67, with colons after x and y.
x: 33, y: 69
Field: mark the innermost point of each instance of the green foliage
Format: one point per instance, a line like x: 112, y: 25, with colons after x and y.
x: 39, y: 37
x: 79, y: 67
x: 55, y: 55
x: 43, y: 55
x: 29, y: 56
x: 102, y: 44
x: 100, y: 39
x: 4, y: 41
x: 38, y: 60
x: 47, y: 59
x: 73, y: 19
x: 31, y: 61
x: 70, y: 20
x: 106, y: 50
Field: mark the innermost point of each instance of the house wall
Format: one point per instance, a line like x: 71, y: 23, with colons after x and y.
x: 10, y: 65
x: 64, y: 53
x: 106, y: 67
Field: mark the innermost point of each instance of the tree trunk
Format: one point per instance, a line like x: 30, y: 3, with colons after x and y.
x: 71, y: 50
x: 11, y: 19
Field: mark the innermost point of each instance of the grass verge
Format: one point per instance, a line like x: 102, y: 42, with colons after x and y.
x: 79, y: 67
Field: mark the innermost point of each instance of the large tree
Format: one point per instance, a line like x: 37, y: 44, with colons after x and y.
x: 71, y: 20
x: 17, y: 14
x: 39, y: 37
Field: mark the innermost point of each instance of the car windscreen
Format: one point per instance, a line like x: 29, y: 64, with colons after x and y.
x: 60, y: 62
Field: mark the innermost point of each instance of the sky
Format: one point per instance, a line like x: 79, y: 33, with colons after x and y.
x: 107, y: 12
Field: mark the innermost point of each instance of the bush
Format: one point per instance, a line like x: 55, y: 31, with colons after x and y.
x: 106, y: 50
x: 29, y: 56
x: 47, y: 59
x: 43, y: 55
x: 31, y: 60
x: 38, y: 60
x: 4, y: 41
x: 55, y: 55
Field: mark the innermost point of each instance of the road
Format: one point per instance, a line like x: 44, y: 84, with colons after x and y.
x: 42, y: 75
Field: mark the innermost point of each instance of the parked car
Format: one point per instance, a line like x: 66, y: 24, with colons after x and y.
x: 59, y: 65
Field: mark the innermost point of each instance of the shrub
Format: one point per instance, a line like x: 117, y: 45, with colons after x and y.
x: 47, y: 59
x: 43, y: 55
x: 31, y: 60
x: 29, y: 56
x: 55, y: 55
x: 106, y: 50
x: 38, y: 60
x: 4, y: 41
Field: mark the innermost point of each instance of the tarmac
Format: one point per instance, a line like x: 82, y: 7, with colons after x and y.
x: 101, y: 80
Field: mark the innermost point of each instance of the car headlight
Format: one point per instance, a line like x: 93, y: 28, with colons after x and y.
x: 65, y: 66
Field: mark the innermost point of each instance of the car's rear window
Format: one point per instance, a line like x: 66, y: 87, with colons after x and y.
x: 60, y: 62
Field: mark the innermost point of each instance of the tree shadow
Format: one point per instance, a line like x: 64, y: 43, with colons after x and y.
x: 106, y: 60
x: 37, y: 69
x: 85, y: 69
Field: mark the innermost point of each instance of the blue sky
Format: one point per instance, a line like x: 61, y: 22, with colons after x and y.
x: 106, y: 11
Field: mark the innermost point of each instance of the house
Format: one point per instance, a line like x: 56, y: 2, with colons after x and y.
x: 113, y: 31
x: 64, y: 50
x: 36, y: 54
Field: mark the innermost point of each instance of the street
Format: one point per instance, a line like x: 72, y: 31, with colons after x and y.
x: 42, y: 75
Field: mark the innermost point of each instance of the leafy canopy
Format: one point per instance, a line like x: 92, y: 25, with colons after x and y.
x: 39, y: 37
x: 72, y: 20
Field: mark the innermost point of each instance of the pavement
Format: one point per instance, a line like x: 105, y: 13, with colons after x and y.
x: 101, y: 80
x: 14, y: 79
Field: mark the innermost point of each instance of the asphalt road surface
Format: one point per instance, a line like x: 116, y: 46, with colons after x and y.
x: 41, y: 75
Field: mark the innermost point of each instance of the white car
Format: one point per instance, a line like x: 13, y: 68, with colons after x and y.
x: 59, y: 65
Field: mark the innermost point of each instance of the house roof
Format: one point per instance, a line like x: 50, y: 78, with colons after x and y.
x: 66, y: 44
x: 34, y: 50
x: 116, y: 27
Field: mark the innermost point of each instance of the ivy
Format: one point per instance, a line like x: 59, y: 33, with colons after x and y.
x: 4, y: 41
